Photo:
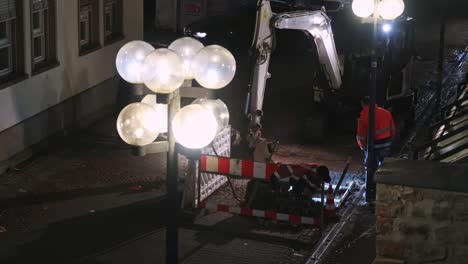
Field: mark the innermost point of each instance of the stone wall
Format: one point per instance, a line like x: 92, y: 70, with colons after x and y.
x: 420, y: 225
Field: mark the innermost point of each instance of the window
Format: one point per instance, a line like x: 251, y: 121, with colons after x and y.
x: 88, y: 26
x: 6, y: 49
x: 11, y: 49
x: 42, y: 33
x: 84, y: 27
x: 112, y: 20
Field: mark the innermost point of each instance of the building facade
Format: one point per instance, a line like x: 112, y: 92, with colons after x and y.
x: 57, y: 65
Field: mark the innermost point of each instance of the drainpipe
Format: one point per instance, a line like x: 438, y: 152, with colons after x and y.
x: 441, y: 64
x: 178, y: 11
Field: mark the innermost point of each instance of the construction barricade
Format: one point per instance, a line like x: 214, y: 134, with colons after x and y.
x: 261, y: 185
x: 289, y: 208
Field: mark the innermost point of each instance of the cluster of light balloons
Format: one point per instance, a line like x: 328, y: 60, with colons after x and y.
x: 387, y: 9
x: 163, y: 71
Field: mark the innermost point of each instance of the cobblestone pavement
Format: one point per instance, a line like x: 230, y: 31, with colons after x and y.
x: 332, y: 154
x: 93, y: 158
x: 93, y: 162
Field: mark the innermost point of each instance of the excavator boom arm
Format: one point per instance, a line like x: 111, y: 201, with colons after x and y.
x: 316, y: 23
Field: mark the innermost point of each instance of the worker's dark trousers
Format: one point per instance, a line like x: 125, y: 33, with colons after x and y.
x: 370, y: 181
x: 380, y: 154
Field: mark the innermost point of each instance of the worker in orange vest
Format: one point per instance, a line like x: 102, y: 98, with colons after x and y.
x: 384, y: 132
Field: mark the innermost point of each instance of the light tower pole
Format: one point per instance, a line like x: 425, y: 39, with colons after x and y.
x: 387, y: 10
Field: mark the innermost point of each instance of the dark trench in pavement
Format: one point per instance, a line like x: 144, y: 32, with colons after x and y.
x: 113, y: 234
x: 64, y: 241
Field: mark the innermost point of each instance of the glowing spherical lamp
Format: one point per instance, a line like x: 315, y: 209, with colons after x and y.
x: 391, y: 9
x: 164, y: 71
x: 213, y: 67
x: 137, y: 124
x: 130, y: 60
x: 363, y: 8
x: 194, y: 126
x: 219, y: 110
x: 187, y: 48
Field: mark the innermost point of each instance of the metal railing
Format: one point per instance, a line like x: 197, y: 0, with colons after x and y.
x: 450, y: 142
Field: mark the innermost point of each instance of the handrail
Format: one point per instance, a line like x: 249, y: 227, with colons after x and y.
x: 442, y: 138
x: 450, y: 119
x: 441, y: 149
x: 449, y: 153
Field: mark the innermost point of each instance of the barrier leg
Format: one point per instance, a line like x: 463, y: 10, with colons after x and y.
x: 198, y: 175
x: 322, y: 193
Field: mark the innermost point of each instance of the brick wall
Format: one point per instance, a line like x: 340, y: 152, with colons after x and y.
x: 418, y: 225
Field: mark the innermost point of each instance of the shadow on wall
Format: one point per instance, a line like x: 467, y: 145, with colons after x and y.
x: 79, y: 107
x: 31, y: 131
x: 129, y: 93
x: 40, y: 94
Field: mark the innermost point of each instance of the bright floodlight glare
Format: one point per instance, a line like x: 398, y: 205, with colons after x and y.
x: 219, y: 110
x: 137, y: 124
x: 194, y: 126
x: 200, y: 34
x: 214, y: 67
x: 187, y: 48
x: 363, y: 8
x: 164, y: 71
x: 129, y: 60
x: 386, y: 28
x: 391, y: 9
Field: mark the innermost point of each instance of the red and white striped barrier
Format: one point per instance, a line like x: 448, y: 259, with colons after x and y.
x: 251, y: 169
x: 296, y: 219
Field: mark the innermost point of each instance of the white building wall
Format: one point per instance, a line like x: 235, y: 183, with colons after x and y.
x: 37, y: 107
x: 75, y: 74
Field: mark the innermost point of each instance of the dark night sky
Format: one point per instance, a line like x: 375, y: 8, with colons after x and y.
x: 433, y: 9
x: 427, y: 14
x: 423, y: 9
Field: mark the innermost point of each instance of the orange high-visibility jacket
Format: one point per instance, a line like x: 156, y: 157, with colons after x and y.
x: 384, y: 126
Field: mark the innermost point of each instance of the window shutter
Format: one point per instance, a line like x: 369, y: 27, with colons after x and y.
x: 85, y: 2
x: 86, y: 5
x: 38, y: 5
x: 108, y: 5
x: 7, y: 9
